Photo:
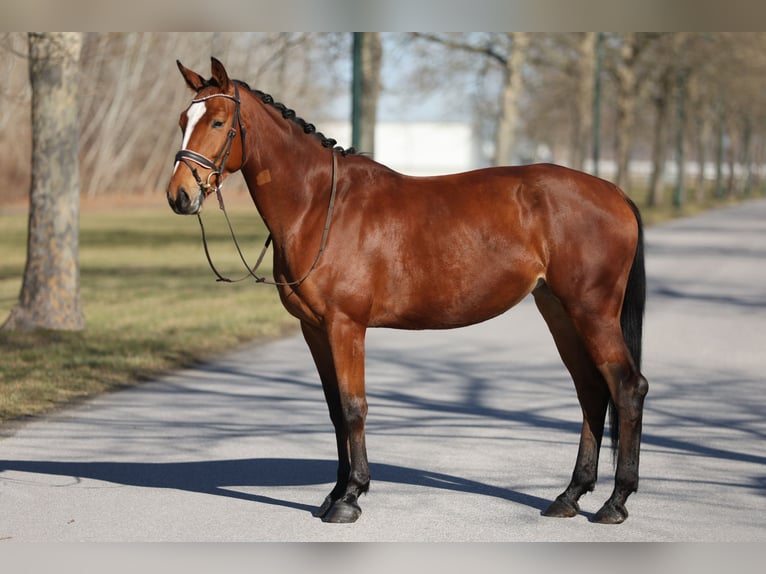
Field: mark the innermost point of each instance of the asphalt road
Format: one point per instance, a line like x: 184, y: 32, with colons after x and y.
x: 471, y: 433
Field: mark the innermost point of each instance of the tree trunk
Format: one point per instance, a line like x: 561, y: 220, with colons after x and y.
x: 509, y: 106
x: 656, y: 184
x: 584, y: 119
x: 49, y: 296
x: 703, y: 136
x: 720, y: 149
x: 626, y: 102
x: 369, y: 59
x: 747, y: 154
x: 731, y: 183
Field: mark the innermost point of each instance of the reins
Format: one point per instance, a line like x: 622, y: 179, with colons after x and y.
x: 251, y: 271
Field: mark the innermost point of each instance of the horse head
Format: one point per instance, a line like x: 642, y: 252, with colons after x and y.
x: 210, y: 150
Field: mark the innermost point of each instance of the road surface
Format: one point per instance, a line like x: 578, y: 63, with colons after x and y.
x: 471, y: 433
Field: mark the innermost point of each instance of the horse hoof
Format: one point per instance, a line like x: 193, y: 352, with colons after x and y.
x: 342, y: 512
x: 322, y: 510
x: 562, y: 509
x: 610, y: 514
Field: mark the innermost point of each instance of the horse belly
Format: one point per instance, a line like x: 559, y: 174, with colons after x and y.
x: 462, y: 287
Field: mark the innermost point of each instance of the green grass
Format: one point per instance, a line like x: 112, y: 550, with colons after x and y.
x: 150, y: 301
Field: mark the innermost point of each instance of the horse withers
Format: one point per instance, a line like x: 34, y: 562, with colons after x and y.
x: 358, y: 245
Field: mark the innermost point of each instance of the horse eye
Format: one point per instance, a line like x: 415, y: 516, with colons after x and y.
x: 217, y: 124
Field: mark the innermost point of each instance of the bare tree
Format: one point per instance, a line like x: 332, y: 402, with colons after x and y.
x: 560, y: 113
x: 15, y: 137
x: 128, y: 128
x: 583, y: 124
x: 661, y: 99
x: 50, y: 297
x: 522, y: 89
x: 131, y: 95
x: 626, y: 103
x: 512, y: 87
x: 370, y: 59
x: 660, y: 92
x: 509, y: 52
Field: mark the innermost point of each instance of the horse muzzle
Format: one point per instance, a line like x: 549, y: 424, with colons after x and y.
x: 183, y: 203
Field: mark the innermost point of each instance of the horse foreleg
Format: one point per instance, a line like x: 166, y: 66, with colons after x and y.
x: 316, y: 339
x: 339, y: 355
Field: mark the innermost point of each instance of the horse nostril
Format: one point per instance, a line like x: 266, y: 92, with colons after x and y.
x: 182, y: 199
x: 181, y: 203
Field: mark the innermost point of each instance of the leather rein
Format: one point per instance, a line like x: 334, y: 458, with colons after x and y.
x: 188, y: 156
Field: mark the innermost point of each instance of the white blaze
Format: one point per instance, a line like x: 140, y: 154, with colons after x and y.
x: 193, y: 115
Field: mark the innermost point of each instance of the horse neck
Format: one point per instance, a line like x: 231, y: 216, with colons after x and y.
x: 288, y: 173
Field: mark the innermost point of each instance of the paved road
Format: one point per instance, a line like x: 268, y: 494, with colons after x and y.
x: 471, y: 432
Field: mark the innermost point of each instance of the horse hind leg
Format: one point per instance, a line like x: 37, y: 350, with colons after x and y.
x: 606, y: 345
x: 592, y: 393
x: 630, y: 388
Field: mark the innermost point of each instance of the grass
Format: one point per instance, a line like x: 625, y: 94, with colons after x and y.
x: 150, y: 302
x: 667, y: 211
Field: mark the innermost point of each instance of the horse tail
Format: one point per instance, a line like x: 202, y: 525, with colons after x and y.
x: 631, y: 319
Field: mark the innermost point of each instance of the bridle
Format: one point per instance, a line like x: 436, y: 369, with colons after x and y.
x: 188, y: 156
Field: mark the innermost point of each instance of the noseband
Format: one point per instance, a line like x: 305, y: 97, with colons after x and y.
x: 216, y: 165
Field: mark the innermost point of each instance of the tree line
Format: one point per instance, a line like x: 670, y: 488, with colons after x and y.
x: 693, y: 100
x: 96, y: 113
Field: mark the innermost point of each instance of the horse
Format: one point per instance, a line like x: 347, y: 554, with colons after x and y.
x: 359, y: 245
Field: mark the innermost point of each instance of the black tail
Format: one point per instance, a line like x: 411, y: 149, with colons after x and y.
x: 631, y: 319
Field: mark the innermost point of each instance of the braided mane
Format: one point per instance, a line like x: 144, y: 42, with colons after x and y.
x: 289, y: 114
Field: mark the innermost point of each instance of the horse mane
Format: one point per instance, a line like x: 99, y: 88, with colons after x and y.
x: 290, y: 115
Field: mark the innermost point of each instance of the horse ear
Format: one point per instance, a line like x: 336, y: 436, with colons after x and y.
x: 193, y: 79
x: 220, y: 75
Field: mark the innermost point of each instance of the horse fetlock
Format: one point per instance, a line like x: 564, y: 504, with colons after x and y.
x: 323, y: 508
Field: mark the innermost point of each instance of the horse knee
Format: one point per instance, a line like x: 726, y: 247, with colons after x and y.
x: 642, y: 386
x: 638, y: 390
x: 355, y: 412
x: 631, y: 387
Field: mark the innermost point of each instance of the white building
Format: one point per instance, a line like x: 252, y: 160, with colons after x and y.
x: 416, y: 148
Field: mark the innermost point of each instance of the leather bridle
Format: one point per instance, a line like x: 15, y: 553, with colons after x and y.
x: 216, y: 166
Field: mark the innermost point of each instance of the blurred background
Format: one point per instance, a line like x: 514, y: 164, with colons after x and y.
x: 670, y: 117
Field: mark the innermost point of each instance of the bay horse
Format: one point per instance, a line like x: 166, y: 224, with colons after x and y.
x: 358, y: 245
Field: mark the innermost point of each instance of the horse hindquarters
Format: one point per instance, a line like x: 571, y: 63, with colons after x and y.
x: 596, y: 323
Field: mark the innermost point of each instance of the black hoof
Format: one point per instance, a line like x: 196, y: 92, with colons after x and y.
x: 562, y: 508
x: 610, y: 514
x: 322, y: 510
x: 342, y: 512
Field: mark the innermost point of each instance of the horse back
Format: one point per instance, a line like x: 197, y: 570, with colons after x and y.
x: 448, y: 251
